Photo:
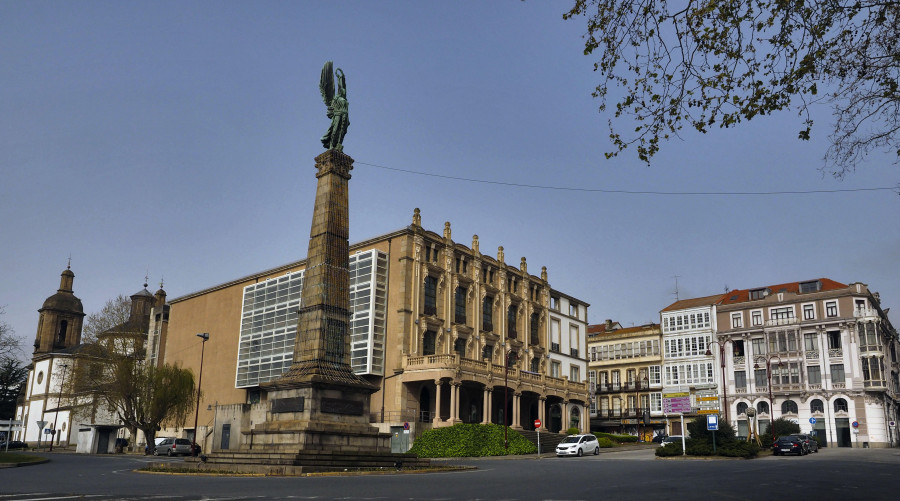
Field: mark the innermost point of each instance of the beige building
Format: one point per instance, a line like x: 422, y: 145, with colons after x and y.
x: 433, y: 324
x: 624, y: 367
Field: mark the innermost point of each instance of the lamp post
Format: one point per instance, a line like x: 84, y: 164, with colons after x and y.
x: 205, y: 337
x: 721, y: 345
x: 58, y: 403
x: 768, y: 361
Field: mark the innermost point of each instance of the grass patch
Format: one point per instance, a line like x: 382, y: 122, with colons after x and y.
x: 18, y: 458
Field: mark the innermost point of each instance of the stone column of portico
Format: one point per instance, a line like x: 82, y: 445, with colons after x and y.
x: 542, y: 402
x: 437, y: 402
x: 564, y: 413
x: 486, y: 409
x: 454, y: 403
x: 517, y: 411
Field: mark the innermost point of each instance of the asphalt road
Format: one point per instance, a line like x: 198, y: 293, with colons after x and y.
x: 843, y: 474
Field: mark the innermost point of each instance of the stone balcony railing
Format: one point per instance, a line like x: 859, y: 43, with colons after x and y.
x: 777, y: 322
x: 484, y: 367
x: 865, y: 312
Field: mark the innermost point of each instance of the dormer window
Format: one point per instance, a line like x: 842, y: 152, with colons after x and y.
x: 758, y: 293
x: 811, y: 286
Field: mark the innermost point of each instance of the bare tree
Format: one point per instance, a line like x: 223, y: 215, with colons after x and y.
x: 706, y: 63
x: 10, y: 345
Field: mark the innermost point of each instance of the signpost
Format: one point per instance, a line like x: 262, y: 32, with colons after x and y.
x: 676, y: 403
x: 537, y: 428
x: 40, y: 427
x: 712, y: 424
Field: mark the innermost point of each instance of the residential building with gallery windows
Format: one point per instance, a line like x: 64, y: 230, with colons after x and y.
x: 434, y: 324
x: 825, y: 351
x: 625, y: 365
x: 688, y: 328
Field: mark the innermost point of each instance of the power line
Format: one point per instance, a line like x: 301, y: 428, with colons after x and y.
x: 628, y: 192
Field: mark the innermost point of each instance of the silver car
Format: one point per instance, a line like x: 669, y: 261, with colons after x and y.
x: 173, y: 447
x: 578, y: 445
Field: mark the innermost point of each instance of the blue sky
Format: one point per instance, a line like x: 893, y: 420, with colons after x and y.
x: 179, y: 137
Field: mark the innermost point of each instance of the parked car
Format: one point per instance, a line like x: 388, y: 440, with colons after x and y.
x: 15, y: 444
x: 173, y: 447
x: 673, y: 439
x: 659, y: 438
x: 811, y: 444
x: 790, y: 444
x: 578, y: 445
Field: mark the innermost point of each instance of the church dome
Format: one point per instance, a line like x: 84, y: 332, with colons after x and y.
x: 64, y: 299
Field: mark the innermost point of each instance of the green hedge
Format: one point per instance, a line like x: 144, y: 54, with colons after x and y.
x: 619, y: 439
x: 470, y: 440
x: 605, y: 443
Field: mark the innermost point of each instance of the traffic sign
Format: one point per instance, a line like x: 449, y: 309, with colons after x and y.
x: 892, y: 424
x: 537, y: 423
x: 406, y: 425
x: 712, y: 422
x: 812, y: 420
x: 855, y: 424
x: 708, y: 399
x: 676, y: 403
x: 708, y: 411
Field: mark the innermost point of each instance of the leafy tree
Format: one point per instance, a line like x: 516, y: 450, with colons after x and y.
x: 707, y: 63
x: 111, y: 374
x: 783, y: 426
x: 12, y: 376
x: 725, y: 434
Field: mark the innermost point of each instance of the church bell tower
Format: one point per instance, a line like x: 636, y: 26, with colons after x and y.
x: 61, y: 317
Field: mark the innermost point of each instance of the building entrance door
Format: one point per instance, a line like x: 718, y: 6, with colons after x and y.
x: 842, y: 430
x: 225, y: 441
x: 102, y: 441
x: 397, y: 440
x: 820, y: 432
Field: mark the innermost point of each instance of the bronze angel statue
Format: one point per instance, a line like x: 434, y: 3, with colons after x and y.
x: 336, y: 100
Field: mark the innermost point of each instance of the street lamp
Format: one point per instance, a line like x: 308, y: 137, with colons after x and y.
x: 721, y: 345
x: 768, y: 361
x: 205, y: 337
x: 58, y: 403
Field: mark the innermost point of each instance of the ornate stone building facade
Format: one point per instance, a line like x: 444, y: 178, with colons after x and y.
x: 434, y: 325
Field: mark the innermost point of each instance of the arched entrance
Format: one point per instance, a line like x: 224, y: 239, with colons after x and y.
x: 426, y: 409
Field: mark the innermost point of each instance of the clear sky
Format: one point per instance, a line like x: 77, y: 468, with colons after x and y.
x: 179, y: 137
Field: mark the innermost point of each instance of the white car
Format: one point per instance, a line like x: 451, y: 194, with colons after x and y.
x: 578, y: 445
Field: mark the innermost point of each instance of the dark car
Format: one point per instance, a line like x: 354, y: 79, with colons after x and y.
x: 659, y: 438
x: 811, y: 444
x: 15, y: 444
x: 790, y: 444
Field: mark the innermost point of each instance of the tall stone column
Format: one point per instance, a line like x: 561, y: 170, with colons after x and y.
x: 517, y: 411
x: 564, y: 415
x: 437, y: 403
x: 454, y: 402
x: 486, y: 406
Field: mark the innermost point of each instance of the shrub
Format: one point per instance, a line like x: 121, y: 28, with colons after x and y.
x: 605, y: 443
x: 621, y: 439
x: 783, y: 426
x: 470, y: 440
x: 724, y: 435
x: 673, y: 449
x: 739, y: 450
x: 699, y: 447
x: 573, y: 431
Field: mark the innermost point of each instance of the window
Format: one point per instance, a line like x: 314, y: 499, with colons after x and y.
x: 837, y: 373
x: 871, y: 369
x: 573, y: 310
x: 831, y: 309
x: 574, y: 343
x: 535, y: 364
x: 840, y: 405
x: 574, y: 374
x: 630, y: 375
x: 809, y: 312
x: 814, y: 374
x: 430, y: 307
x: 554, y: 368
x: 817, y: 406
x: 460, y: 303
x: 459, y: 346
x: 760, y: 379
x: 487, y: 314
x: 554, y: 303
x: 756, y: 318
x: 789, y: 407
x: 757, y: 294
x: 868, y: 336
x: 810, y: 342
x: 535, y: 337
x: 785, y: 313
x: 740, y: 379
x: 655, y: 375
x: 487, y: 352
x: 736, y: 320
x: 834, y: 340
x: 511, y: 321
x: 860, y: 304
x: 807, y: 287
x: 762, y: 408
x: 759, y: 346
x: 554, y: 334
x: 742, y: 408
x: 428, y: 342
x: 40, y: 377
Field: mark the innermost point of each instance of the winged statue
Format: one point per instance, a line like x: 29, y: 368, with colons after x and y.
x: 335, y: 97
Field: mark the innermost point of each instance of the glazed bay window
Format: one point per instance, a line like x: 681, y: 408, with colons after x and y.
x: 459, y: 303
x: 655, y: 375
x: 656, y: 402
x: 430, y: 306
x: 871, y: 369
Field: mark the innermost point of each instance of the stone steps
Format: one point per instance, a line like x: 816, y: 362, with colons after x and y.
x: 549, y: 441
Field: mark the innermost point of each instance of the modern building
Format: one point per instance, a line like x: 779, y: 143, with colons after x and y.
x: 434, y: 325
x: 818, y: 352
x: 626, y: 365
x: 568, y: 342
x: 689, y: 368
